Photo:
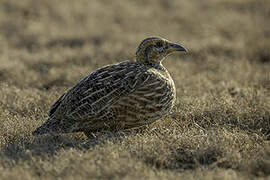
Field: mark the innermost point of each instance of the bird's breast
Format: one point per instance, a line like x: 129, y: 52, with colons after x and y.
x: 149, y: 102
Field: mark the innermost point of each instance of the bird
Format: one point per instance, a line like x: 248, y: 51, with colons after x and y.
x: 122, y: 96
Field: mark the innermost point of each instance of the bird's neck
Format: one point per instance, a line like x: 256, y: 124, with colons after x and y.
x: 156, y: 66
x: 152, y: 63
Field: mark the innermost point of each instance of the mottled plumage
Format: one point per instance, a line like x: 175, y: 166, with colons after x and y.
x: 117, y: 97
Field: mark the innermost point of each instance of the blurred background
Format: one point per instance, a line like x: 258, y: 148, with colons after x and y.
x: 50, y: 43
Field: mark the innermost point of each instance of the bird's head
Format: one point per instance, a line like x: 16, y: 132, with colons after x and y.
x: 153, y: 50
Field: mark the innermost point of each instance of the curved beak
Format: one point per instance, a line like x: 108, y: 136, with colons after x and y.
x: 176, y: 47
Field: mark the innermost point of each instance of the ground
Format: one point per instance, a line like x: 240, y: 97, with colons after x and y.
x: 219, y: 128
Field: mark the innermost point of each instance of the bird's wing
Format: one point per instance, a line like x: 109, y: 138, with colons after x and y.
x: 101, y: 89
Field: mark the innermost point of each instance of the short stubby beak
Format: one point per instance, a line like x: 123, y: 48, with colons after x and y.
x: 177, y: 47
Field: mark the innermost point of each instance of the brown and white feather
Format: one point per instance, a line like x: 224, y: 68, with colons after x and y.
x: 115, y: 97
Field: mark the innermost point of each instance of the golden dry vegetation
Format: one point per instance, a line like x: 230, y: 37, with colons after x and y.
x: 219, y: 129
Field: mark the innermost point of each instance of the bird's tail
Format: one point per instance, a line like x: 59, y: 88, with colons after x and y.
x: 52, y: 125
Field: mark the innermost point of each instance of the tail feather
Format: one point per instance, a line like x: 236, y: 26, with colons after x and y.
x: 52, y: 125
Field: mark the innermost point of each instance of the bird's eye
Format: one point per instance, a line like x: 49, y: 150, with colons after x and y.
x: 159, y: 44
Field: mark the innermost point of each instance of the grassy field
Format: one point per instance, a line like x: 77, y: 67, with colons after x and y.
x: 219, y: 129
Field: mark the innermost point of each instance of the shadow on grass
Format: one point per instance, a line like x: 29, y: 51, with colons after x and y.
x: 50, y: 145
x: 185, y: 159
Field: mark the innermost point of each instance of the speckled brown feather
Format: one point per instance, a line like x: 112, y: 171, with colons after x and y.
x: 115, y: 97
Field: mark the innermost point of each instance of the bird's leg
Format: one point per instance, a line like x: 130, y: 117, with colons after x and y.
x: 136, y: 130
x: 90, y: 134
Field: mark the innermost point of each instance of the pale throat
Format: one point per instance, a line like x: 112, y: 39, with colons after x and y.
x: 152, y: 61
x: 155, y: 62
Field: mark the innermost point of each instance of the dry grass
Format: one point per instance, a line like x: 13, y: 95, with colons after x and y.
x: 220, y: 128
